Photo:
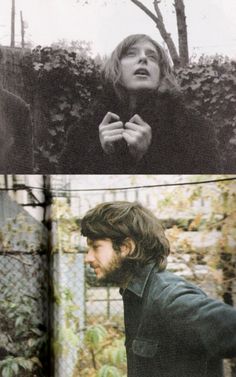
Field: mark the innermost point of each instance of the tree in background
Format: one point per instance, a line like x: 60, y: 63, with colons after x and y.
x: 82, y: 48
x: 180, y: 58
x: 180, y: 55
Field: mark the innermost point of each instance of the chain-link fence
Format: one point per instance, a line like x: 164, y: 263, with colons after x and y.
x: 87, y: 304
x: 24, y: 312
x: 69, y: 308
x: 24, y: 298
x: 79, y: 304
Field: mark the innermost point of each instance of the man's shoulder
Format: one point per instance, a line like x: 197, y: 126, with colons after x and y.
x: 167, y: 278
x: 171, y: 283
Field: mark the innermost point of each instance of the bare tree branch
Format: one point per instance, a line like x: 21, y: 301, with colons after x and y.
x: 180, y: 58
x: 158, y: 19
x: 145, y: 10
x: 157, y: 9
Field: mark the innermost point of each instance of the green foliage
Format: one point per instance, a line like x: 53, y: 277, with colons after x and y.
x: 25, y: 342
x: 18, y: 233
x: 67, y: 228
x: 66, y: 334
x: 11, y: 365
x: 64, y: 83
x: 115, y: 353
x: 109, y: 371
x: 210, y: 86
x: 95, y: 335
x: 103, y: 353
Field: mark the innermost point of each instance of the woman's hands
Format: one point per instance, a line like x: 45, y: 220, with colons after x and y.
x: 136, y: 133
x: 110, y: 131
x: 138, y: 136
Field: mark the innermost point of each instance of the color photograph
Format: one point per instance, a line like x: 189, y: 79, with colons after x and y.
x: 117, y: 275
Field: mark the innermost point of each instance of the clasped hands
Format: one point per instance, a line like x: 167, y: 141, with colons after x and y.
x: 135, y: 132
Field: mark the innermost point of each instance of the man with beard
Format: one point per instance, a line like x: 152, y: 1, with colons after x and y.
x: 16, y: 151
x: 173, y: 329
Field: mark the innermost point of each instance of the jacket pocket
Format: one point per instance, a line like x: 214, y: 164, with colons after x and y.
x: 144, y: 348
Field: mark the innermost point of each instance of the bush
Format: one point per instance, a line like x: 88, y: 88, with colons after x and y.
x: 65, y: 84
x: 210, y: 86
x: 23, y: 348
x: 103, y: 353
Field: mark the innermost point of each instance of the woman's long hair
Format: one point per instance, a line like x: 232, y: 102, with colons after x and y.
x: 112, y: 69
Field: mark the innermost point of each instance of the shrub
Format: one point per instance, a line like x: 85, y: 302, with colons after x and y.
x: 65, y: 83
x: 23, y: 336
x: 210, y: 86
x: 103, y: 353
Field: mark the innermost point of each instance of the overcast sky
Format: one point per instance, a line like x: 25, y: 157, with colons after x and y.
x: 211, y: 23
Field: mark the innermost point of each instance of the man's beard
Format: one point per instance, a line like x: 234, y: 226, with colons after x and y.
x: 118, y: 272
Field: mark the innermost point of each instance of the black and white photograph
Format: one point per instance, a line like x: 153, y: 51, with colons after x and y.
x: 118, y: 87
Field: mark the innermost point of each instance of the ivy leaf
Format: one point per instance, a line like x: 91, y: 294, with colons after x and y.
x: 37, y: 66
x: 47, y: 67
x: 75, y: 112
x: 52, y: 132
x: 19, y: 321
x: 64, y: 105
x: 57, y: 117
x: 36, y: 361
x: 26, y: 364
x: 94, y: 335
x: 108, y: 371
x: 15, y: 368
x: 7, y: 371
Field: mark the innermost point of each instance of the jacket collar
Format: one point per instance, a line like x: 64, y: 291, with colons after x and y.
x: 139, y: 281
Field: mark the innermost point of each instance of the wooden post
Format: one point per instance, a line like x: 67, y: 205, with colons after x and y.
x: 182, y: 32
x: 13, y: 15
x: 22, y: 30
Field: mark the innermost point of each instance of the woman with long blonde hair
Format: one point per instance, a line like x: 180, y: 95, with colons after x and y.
x: 139, y: 123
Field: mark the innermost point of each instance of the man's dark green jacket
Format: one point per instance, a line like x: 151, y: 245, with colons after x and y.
x: 173, y: 329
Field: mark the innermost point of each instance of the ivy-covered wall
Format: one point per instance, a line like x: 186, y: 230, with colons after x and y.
x: 210, y: 86
x: 64, y: 84
x: 60, y: 86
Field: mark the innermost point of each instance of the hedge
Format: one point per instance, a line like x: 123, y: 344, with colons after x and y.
x: 210, y: 86
x: 66, y: 84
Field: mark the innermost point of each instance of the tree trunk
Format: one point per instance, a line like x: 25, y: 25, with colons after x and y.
x: 158, y: 19
x: 22, y: 30
x: 182, y: 32
x: 13, y: 15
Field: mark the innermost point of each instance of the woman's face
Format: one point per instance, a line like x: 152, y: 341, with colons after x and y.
x: 140, y: 67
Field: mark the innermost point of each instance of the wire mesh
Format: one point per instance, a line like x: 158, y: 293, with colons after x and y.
x: 24, y: 310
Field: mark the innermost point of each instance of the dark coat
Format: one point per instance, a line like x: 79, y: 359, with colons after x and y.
x: 173, y: 329
x: 183, y: 141
x: 15, y: 135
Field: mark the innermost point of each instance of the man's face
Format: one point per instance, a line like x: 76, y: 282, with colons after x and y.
x: 105, y: 261
x: 140, y: 67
